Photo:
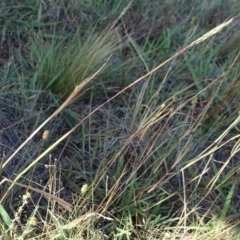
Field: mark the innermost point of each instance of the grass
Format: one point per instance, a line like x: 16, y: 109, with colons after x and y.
x: 119, y: 122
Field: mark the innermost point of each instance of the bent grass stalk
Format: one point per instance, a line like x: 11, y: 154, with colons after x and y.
x: 63, y: 203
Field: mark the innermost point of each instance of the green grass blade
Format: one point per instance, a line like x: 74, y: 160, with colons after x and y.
x: 6, y: 218
x: 227, y: 202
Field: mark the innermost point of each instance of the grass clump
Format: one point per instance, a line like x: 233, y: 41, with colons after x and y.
x: 62, y: 63
x: 156, y: 159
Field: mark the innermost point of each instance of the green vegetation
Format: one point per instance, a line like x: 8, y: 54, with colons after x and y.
x: 119, y: 121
